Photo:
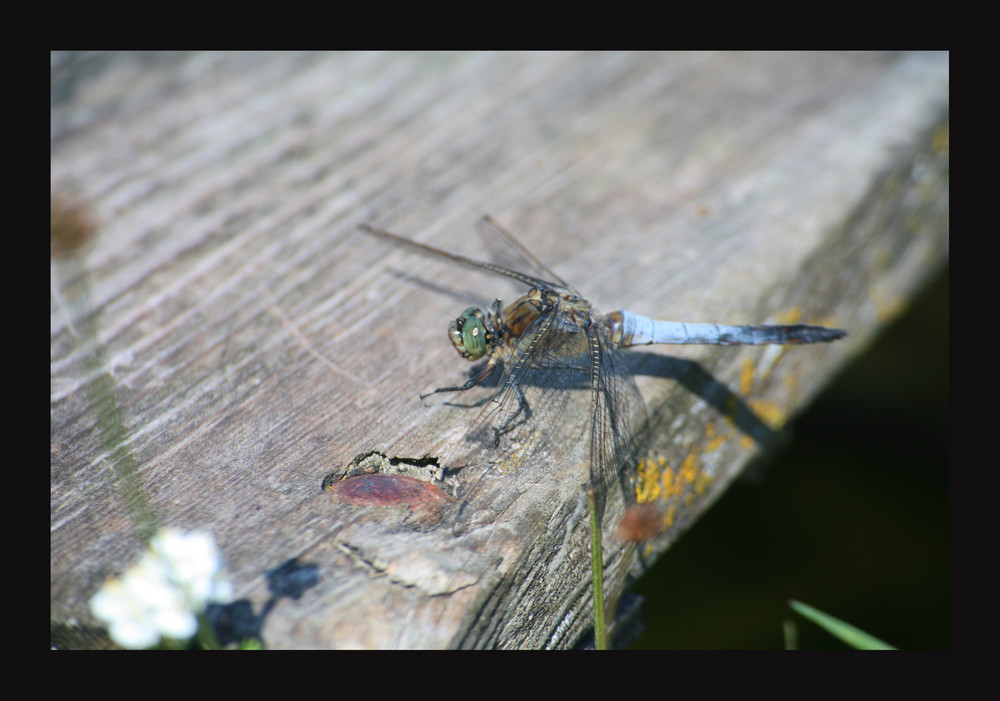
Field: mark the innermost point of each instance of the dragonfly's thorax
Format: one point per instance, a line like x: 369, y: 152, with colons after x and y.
x: 517, y: 317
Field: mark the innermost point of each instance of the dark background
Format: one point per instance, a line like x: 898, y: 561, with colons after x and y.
x: 851, y: 517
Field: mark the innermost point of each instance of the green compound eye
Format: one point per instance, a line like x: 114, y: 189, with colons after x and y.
x: 468, y: 334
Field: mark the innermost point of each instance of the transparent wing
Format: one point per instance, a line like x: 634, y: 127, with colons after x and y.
x: 507, y: 251
x: 431, y: 252
x: 545, y: 363
x: 554, y: 357
x: 617, y: 410
x: 525, y: 412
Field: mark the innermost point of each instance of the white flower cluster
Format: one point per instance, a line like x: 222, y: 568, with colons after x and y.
x: 162, y: 594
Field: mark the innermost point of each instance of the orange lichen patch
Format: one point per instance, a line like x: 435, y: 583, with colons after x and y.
x: 658, y: 481
x: 672, y: 486
x: 666, y: 482
x: 702, y: 482
x: 647, y: 487
x: 689, y: 468
x: 770, y: 413
x: 792, y: 316
x: 510, y: 463
x: 715, y: 440
x: 746, y: 376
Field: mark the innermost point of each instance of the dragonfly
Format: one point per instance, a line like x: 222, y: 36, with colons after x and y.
x: 551, y: 341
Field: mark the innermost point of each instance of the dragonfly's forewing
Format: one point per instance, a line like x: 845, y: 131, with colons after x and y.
x: 505, y: 250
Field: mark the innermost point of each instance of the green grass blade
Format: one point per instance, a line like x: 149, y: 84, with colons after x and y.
x: 855, y: 637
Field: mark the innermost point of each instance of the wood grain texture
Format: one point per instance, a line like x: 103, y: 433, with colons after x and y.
x: 257, y: 343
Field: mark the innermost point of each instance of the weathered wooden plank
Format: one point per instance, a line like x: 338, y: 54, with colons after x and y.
x: 257, y: 343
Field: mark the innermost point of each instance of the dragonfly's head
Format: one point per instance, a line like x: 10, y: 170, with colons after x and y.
x: 470, y: 334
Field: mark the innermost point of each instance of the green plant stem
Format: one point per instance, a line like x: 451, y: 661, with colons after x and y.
x: 600, y: 631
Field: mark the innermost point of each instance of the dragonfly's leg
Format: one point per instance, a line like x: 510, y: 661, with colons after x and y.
x: 484, y: 371
x: 497, y: 309
x: 513, y: 421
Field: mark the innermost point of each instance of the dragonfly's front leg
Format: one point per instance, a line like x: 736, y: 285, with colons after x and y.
x: 484, y: 371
